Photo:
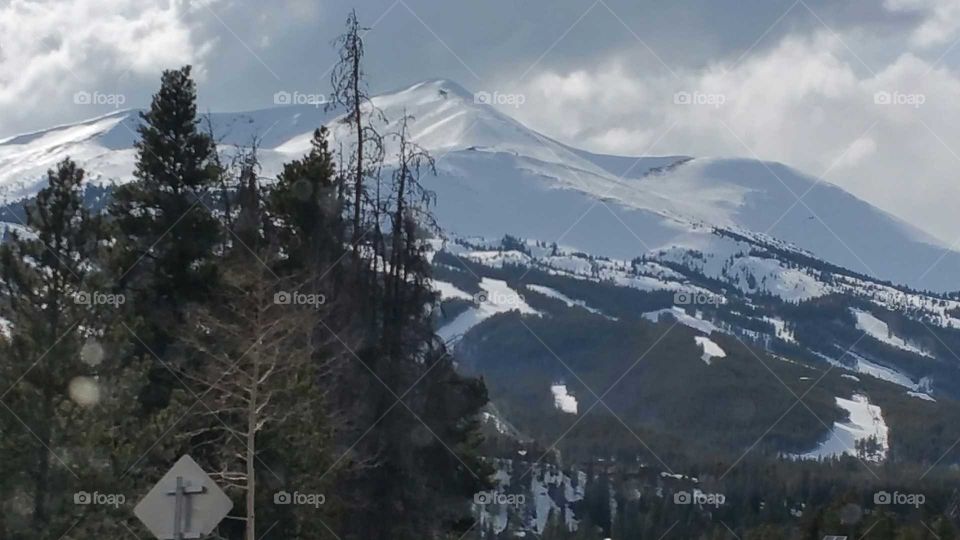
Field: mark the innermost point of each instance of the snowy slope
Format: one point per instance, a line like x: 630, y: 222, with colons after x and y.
x: 499, y: 177
x: 710, y: 349
x: 497, y: 297
x: 865, y: 421
x: 878, y: 330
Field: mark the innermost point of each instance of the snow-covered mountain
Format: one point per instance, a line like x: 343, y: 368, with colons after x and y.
x: 497, y: 177
x: 699, y: 300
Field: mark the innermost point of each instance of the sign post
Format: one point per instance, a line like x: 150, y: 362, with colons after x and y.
x: 186, y: 504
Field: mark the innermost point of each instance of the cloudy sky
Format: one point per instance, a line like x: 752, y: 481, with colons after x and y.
x: 863, y: 93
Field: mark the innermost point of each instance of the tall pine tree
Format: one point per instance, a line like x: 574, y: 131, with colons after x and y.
x: 165, y: 232
x: 47, y: 305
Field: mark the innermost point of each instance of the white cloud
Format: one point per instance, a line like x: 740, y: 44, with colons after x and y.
x: 941, y: 19
x: 50, y: 50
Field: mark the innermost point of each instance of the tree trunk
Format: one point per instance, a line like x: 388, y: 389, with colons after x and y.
x: 251, y: 454
x: 42, y: 479
x: 358, y: 187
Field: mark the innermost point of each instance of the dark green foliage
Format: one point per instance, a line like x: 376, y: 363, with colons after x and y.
x: 306, y: 204
x: 165, y: 231
x: 652, y: 378
x: 59, y: 376
x: 44, y: 283
x: 422, y: 413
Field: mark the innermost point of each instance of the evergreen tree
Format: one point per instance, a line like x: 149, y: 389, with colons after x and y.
x: 166, y: 235
x: 265, y: 370
x: 306, y: 206
x: 46, y: 304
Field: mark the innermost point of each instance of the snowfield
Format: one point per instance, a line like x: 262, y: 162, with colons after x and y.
x: 449, y: 291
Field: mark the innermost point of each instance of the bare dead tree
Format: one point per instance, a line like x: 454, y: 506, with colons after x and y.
x: 259, y: 371
x: 350, y: 92
x: 408, y: 206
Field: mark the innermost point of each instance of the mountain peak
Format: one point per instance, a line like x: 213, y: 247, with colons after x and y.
x: 446, y: 87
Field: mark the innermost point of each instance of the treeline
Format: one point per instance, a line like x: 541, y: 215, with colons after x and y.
x: 757, y: 499
x: 279, y: 332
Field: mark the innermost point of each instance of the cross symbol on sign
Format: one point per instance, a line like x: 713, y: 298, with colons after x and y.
x: 181, y: 509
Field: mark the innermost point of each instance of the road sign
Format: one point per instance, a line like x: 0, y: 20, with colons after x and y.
x: 186, y: 503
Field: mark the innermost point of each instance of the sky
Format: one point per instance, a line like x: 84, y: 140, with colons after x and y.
x: 861, y: 93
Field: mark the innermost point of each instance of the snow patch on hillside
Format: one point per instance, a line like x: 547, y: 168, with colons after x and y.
x: 555, y: 294
x: 865, y: 421
x: 448, y: 291
x: 879, y: 330
x: 497, y: 297
x: 884, y: 373
x: 683, y: 318
x: 780, y: 329
x: 710, y: 349
x: 921, y: 389
x: 734, y: 262
x: 562, y: 400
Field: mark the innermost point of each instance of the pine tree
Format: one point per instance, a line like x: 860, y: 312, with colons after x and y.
x: 165, y: 232
x: 307, y: 207
x: 47, y: 305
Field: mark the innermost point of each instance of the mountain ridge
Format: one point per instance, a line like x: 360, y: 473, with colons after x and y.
x: 497, y: 177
